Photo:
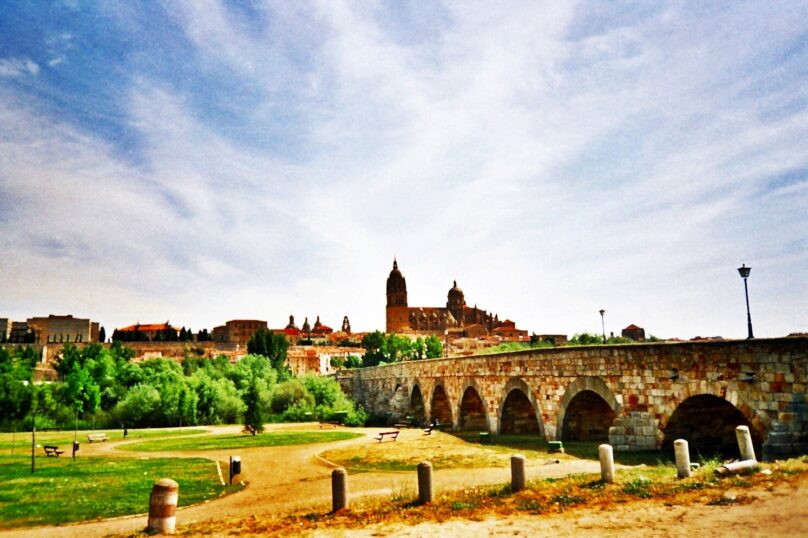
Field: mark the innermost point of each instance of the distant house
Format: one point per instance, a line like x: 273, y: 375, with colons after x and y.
x: 147, y: 332
x: 635, y: 333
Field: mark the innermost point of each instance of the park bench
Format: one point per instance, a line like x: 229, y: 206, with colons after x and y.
x: 428, y: 431
x: 332, y: 423
x: 97, y: 437
x: 393, y: 434
x: 53, y: 451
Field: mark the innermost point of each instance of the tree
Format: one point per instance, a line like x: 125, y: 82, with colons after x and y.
x: 434, y: 347
x: 272, y: 346
x: 102, y: 335
x: 253, y: 414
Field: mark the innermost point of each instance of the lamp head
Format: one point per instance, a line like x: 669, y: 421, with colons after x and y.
x: 744, y: 271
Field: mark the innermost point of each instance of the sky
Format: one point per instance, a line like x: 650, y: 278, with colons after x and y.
x: 200, y: 161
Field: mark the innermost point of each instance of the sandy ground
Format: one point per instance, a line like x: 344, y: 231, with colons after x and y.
x: 288, y: 479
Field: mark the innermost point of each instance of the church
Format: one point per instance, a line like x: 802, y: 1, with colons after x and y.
x: 456, y: 318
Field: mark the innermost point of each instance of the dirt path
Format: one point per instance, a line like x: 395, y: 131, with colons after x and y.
x: 288, y: 479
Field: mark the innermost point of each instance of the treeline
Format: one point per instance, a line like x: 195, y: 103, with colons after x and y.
x: 103, y: 388
x: 381, y: 348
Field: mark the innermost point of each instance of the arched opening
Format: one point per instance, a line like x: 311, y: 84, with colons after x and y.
x: 441, y: 408
x: 417, y: 409
x: 472, y: 412
x: 708, y: 424
x: 518, y: 415
x: 587, y: 418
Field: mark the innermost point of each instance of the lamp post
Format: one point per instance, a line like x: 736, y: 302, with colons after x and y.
x: 603, y: 324
x: 744, y: 272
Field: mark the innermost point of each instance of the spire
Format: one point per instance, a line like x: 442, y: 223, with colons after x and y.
x: 395, y: 263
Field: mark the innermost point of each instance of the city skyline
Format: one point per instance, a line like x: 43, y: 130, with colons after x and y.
x: 200, y: 162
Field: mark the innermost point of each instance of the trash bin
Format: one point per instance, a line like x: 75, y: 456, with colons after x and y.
x: 235, y: 467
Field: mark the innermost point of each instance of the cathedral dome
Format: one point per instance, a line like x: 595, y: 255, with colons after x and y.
x: 455, y: 293
x: 396, y: 282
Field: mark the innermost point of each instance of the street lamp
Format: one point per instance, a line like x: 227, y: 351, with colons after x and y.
x: 744, y: 271
x: 603, y: 324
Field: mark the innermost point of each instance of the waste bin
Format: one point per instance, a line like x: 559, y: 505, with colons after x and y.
x: 235, y: 467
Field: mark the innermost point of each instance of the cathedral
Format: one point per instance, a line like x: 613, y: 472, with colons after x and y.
x: 456, y: 317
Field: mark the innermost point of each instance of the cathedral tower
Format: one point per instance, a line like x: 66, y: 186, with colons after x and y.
x: 397, y: 313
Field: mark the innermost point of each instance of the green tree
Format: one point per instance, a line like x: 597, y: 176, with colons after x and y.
x: 272, y: 346
x: 253, y: 412
x: 434, y: 347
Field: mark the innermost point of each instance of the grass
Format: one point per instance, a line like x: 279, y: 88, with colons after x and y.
x: 228, y: 441
x: 443, y: 450
x: 541, y: 497
x: 63, y: 491
x: 22, y: 440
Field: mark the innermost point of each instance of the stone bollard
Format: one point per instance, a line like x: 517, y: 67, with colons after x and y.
x: 517, y: 473
x: 163, y: 506
x: 606, y: 455
x: 745, y: 443
x: 425, y: 489
x: 339, y: 489
x: 682, y: 453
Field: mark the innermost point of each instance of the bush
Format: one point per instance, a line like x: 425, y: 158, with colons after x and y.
x: 291, y: 393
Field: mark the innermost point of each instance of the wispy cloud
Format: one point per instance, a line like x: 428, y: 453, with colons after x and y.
x: 17, y: 67
x: 554, y: 158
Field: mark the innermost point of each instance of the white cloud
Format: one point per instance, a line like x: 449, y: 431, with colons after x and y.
x: 551, y: 170
x: 17, y: 67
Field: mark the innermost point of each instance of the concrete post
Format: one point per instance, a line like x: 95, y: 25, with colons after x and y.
x: 745, y: 443
x: 425, y: 489
x: 606, y: 455
x: 163, y: 506
x: 517, y: 473
x: 682, y: 458
x: 339, y: 489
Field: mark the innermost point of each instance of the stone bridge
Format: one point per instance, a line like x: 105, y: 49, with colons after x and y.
x: 638, y: 396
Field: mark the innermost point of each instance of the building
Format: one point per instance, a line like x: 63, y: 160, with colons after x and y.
x: 147, y: 332
x: 303, y: 360
x: 5, y: 330
x: 20, y: 333
x: 239, y: 331
x: 456, y: 319
x: 63, y: 329
x: 635, y: 333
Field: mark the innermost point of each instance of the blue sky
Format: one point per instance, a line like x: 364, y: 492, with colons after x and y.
x: 202, y: 161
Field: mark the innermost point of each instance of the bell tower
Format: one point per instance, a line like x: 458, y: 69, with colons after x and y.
x: 397, y: 313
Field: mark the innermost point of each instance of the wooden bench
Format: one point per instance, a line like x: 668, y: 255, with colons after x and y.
x: 332, y: 423
x: 97, y: 437
x: 393, y: 434
x: 402, y: 424
x: 53, y: 451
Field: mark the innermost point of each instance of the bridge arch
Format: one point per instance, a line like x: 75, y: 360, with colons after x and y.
x: 417, y: 407
x: 586, y: 411
x: 707, y: 416
x: 440, y: 407
x: 472, y: 414
x: 518, y: 410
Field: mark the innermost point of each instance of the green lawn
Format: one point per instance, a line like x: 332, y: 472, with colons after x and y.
x: 215, y: 442
x: 22, y: 440
x: 63, y: 491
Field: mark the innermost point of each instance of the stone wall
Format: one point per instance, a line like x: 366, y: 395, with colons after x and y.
x: 641, y: 384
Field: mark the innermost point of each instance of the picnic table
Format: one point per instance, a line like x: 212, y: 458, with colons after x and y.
x: 52, y: 451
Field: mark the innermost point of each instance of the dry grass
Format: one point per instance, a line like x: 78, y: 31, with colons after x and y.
x: 551, y: 496
x: 443, y: 450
